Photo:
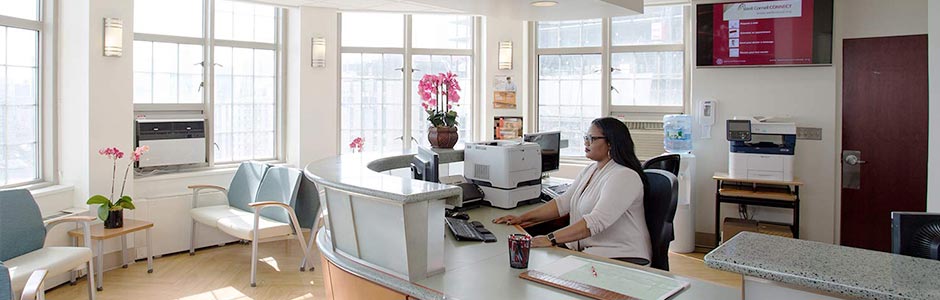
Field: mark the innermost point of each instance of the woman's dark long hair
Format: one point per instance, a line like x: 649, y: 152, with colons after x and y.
x: 622, y: 149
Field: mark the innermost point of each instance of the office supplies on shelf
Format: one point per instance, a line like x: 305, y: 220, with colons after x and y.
x: 770, y: 193
x: 469, y: 231
x: 577, y: 275
x: 761, y: 149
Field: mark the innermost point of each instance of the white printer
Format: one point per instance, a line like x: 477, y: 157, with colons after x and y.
x: 761, y: 149
x: 508, y: 172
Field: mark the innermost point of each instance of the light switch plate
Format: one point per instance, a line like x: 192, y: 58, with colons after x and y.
x: 809, y: 133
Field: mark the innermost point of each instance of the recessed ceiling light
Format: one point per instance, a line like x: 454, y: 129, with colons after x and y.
x: 543, y: 3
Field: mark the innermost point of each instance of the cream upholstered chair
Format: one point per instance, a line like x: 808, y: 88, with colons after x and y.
x: 34, y: 289
x: 254, y: 188
x: 22, y: 242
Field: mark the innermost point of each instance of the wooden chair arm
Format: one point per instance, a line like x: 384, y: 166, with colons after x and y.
x: 34, y: 285
x: 82, y: 220
x: 207, y: 186
x: 259, y: 205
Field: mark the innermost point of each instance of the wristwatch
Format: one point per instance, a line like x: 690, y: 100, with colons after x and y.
x: 551, y: 238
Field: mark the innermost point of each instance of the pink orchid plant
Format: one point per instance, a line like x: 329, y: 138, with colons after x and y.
x: 439, y: 93
x: 357, y: 144
x: 124, y: 201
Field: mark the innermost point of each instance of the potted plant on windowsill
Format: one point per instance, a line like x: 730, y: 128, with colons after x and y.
x: 439, y: 93
x: 112, y: 213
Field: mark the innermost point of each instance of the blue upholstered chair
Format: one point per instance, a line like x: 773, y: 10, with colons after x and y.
x: 32, y: 291
x: 255, y: 187
x: 22, y: 242
x: 659, y: 206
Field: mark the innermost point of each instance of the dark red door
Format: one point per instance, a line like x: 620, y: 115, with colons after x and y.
x: 884, y: 119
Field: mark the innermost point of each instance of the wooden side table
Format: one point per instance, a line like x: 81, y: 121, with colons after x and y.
x: 771, y: 193
x: 99, y: 233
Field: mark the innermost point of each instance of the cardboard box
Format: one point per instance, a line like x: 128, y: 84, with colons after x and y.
x: 775, y: 229
x: 732, y: 226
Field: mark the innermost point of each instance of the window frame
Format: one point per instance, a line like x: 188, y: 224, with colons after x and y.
x: 46, y: 53
x: 207, y: 107
x: 408, y: 52
x: 606, y: 51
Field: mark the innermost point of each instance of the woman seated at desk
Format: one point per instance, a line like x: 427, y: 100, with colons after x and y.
x: 605, y: 201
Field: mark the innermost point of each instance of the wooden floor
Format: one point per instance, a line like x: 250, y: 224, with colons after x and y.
x: 221, y: 273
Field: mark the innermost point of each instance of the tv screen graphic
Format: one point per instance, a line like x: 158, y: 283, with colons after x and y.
x: 756, y: 33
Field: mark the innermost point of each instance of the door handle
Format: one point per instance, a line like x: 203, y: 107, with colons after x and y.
x: 853, y: 160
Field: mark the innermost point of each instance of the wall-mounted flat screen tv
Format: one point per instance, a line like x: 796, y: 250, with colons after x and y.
x: 763, y: 33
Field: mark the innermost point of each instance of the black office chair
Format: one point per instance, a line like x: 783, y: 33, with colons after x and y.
x: 659, y: 205
x: 668, y: 162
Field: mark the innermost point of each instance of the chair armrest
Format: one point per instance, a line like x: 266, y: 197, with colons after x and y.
x: 34, y: 285
x: 259, y: 205
x: 198, y: 187
x: 81, y: 220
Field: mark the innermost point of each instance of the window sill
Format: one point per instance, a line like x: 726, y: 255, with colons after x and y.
x: 44, y: 189
x: 198, y: 172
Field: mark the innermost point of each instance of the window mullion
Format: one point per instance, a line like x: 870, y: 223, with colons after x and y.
x: 208, y: 78
x: 606, y: 69
x: 407, y: 70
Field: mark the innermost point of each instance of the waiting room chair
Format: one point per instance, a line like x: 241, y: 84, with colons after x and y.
x: 22, y: 243
x: 34, y: 289
x: 668, y: 162
x: 257, y: 186
x: 659, y: 206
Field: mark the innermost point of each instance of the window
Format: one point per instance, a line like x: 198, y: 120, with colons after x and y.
x: 170, y: 64
x: 646, y: 61
x: 20, y: 147
x: 378, y: 101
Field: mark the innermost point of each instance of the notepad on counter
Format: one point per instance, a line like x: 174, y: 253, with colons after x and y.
x: 600, y: 280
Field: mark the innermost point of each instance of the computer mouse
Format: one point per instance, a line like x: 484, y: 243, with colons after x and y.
x: 457, y: 215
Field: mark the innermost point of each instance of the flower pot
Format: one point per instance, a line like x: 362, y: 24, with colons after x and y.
x: 442, y: 137
x: 115, y: 219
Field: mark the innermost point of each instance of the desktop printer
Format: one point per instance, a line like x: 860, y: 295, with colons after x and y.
x: 508, y: 172
x: 761, y: 149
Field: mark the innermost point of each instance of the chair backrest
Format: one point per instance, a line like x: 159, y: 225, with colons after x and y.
x: 659, y: 205
x: 307, y: 204
x: 279, y: 184
x: 244, y: 186
x: 6, y: 284
x: 21, y: 227
x: 668, y: 162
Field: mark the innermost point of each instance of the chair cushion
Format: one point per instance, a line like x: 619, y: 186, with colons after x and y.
x: 241, y: 227
x: 56, y: 260
x: 6, y: 291
x: 244, y: 186
x: 210, y: 215
x: 21, y: 227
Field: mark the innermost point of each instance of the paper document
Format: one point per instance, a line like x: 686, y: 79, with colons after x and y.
x: 624, y: 280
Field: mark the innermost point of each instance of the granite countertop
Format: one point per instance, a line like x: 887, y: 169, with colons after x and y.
x: 363, y: 173
x: 832, y: 268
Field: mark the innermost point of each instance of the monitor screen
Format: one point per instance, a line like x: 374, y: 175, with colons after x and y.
x: 424, y: 165
x: 550, y: 142
x: 754, y: 33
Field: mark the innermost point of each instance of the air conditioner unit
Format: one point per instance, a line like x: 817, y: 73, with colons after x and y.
x: 172, y: 141
x: 647, y: 138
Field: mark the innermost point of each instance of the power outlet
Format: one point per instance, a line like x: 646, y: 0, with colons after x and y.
x: 809, y: 133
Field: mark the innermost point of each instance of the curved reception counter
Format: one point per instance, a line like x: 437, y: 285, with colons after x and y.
x: 384, y: 238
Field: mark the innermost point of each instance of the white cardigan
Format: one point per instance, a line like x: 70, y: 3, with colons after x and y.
x: 612, y: 206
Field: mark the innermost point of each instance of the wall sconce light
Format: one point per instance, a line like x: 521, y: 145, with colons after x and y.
x: 505, y: 55
x: 113, y: 37
x: 318, y: 52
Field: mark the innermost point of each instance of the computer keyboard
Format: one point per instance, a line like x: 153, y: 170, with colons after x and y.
x: 464, y: 230
x: 553, y: 191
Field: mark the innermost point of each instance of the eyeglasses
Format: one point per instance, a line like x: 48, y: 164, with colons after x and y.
x: 588, y: 139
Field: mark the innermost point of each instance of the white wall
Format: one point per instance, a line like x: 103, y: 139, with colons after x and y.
x: 499, y: 30
x: 933, y: 160
x: 312, y: 95
x: 811, y: 95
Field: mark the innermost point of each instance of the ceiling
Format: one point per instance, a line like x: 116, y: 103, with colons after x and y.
x: 510, y: 9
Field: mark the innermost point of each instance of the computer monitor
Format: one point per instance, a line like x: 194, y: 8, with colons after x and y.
x: 916, y: 234
x: 424, y: 165
x: 550, y: 142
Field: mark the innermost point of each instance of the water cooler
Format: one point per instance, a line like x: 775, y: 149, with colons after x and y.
x: 684, y: 223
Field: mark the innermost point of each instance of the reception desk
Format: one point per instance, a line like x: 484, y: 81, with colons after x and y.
x: 464, y: 270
